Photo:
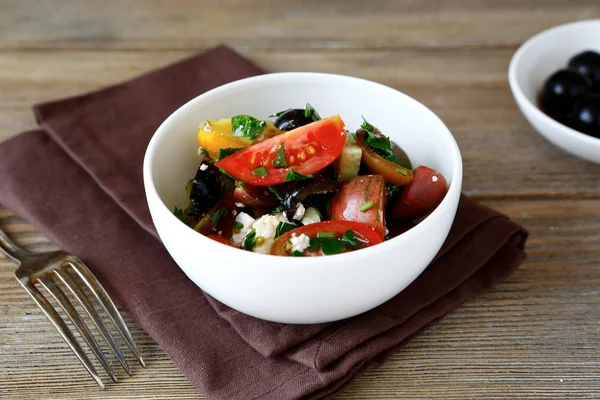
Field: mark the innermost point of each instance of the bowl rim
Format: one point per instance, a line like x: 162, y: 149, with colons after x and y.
x: 525, y: 102
x: 332, y: 260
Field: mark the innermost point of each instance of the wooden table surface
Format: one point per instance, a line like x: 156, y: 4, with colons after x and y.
x: 535, y: 336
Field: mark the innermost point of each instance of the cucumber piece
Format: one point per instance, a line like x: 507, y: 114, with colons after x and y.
x: 348, y: 163
x: 311, y: 215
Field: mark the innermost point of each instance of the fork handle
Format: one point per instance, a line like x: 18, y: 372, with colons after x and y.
x: 11, y: 250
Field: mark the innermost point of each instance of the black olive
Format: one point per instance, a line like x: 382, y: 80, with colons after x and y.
x: 206, y: 189
x: 588, y: 64
x: 292, y: 119
x: 586, y: 115
x: 561, y: 91
x: 311, y: 193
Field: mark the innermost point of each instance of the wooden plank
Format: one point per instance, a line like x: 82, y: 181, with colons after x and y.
x: 503, y: 156
x: 534, y: 336
x: 275, y: 24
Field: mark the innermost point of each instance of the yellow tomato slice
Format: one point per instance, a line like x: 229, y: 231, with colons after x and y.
x: 214, y: 135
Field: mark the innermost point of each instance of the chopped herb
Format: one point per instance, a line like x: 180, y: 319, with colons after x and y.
x: 314, y: 243
x: 366, y: 206
x: 279, y: 113
x: 295, y: 176
x: 326, y: 235
x: 310, y: 112
x: 249, y: 242
x: 204, y: 152
x: 237, y: 225
x: 332, y: 246
x: 277, y: 210
x: 379, y: 143
x: 275, y: 192
x: 401, y: 171
x: 227, y: 174
x: 296, y: 253
x: 350, y: 238
x: 282, y: 228
x: 260, y: 171
x: 182, y: 215
x: 216, y: 216
x: 247, y: 127
x: 225, y: 153
x: 280, y: 161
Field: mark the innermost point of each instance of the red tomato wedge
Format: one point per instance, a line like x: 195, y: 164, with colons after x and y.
x: 364, y: 233
x: 306, y: 150
x: 362, y: 199
x: 422, y: 196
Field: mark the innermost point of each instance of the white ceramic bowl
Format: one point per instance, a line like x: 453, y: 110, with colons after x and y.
x: 295, y: 289
x: 532, y: 65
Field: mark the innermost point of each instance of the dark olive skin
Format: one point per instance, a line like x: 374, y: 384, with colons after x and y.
x: 586, y: 115
x: 561, y: 91
x: 292, y: 119
x: 588, y: 64
x: 206, y: 189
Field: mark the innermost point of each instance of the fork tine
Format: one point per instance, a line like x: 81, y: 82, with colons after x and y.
x: 61, y: 327
x: 66, y: 305
x: 98, y: 290
x: 74, y: 287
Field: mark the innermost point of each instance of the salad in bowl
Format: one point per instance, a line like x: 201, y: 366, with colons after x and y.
x: 301, y: 185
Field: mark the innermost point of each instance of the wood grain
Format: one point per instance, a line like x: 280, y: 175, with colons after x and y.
x: 536, y: 336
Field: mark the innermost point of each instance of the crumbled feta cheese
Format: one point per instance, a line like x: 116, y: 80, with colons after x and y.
x: 265, y: 227
x: 299, y: 212
x: 240, y: 205
x: 203, y: 167
x: 246, y: 221
x: 434, y: 178
x: 205, y: 126
x: 300, y: 243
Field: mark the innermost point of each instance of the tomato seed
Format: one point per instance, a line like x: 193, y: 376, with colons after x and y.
x: 311, y: 150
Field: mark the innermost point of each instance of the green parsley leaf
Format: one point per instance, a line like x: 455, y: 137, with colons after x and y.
x: 260, y: 171
x: 366, y: 206
x: 282, y: 228
x: 275, y: 192
x: 379, y: 143
x: 401, y: 171
x: 280, y: 161
x: 205, y: 152
x: 227, y: 174
x: 314, y: 243
x: 350, y: 238
x: 296, y: 253
x: 247, y: 127
x: 249, y: 242
x: 182, y: 215
x: 277, y: 114
x: 225, y: 152
x: 216, y: 216
x: 295, y: 176
x: 237, y: 225
x: 332, y: 246
x: 310, y: 112
x: 277, y: 210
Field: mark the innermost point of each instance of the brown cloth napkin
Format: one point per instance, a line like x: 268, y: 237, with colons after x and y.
x: 79, y: 179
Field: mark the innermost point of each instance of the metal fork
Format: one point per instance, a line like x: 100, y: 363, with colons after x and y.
x: 47, y: 270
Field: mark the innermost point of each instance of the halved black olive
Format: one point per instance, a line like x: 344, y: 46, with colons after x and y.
x: 311, y: 193
x: 292, y: 119
x: 205, y: 190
